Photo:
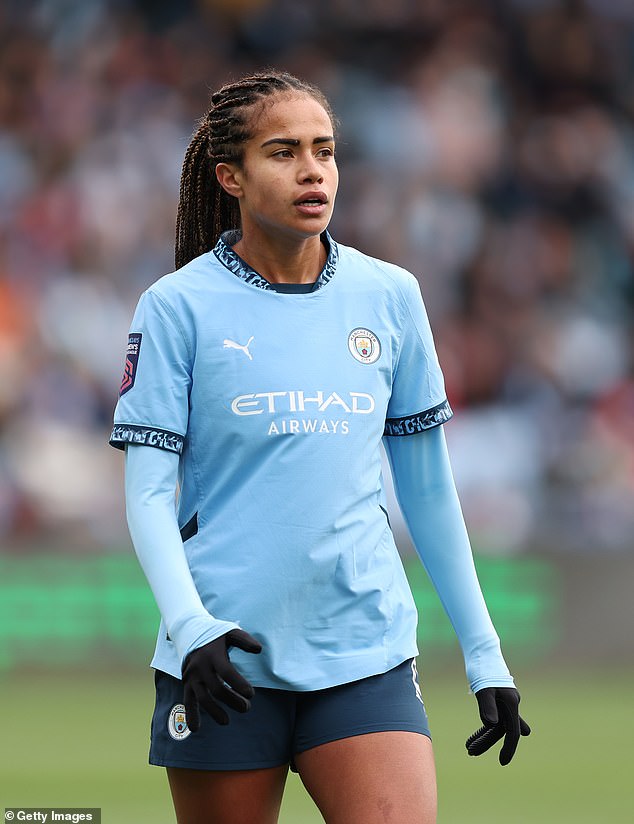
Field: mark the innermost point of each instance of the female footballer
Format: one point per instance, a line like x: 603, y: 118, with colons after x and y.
x: 261, y: 378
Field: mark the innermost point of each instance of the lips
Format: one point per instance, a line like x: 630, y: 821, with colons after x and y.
x: 312, y: 199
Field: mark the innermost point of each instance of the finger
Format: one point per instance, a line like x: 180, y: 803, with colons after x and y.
x: 476, y: 736
x: 510, y: 718
x: 483, y: 732
x: 192, y: 714
x: 487, y: 706
x: 238, y: 683
x: 232, y: 699
x: 240, y: 638
x: 215, y: 710
x: 511, y: 740
x: 484, y: 739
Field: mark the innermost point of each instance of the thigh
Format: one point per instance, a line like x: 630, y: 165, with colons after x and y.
x: 227, y: 797
x: 231, y: 774
x: 372, y: 779
x: 256, y: 740
x: 388, y: 702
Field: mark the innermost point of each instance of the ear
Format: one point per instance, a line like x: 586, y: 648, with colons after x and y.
x: 229, y: 177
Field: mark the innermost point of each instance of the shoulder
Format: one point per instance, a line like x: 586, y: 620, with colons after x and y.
x: 186, y: 281
x: 179, y: 299
x: 376, y: 274
x: 187, y: 294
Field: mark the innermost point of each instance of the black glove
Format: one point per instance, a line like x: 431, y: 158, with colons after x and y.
x: 499, y: 711
x: 208, y: 674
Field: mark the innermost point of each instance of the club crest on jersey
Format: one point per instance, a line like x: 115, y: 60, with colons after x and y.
x: 177, y: 723
x: 364, y: 345
x: 131, y: 362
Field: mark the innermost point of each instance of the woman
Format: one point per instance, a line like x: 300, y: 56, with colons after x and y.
x: 265, y: 372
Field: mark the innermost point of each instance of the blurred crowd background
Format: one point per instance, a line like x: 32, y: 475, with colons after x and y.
x: 487, y: 146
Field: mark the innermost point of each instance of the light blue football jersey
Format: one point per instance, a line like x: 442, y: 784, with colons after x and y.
x: 277, y: 404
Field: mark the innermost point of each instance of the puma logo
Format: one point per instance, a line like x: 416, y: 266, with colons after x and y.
x: 231, y: 344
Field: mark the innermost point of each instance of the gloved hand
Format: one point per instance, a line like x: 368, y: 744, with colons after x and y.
x: 499, y: 711
x: 209, y: 677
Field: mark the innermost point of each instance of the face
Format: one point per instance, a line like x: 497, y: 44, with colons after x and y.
x: 287, y: 182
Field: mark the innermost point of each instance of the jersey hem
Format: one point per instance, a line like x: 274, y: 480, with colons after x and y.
x: 348, y: 668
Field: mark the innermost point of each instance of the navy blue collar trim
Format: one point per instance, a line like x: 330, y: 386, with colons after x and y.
x: 224, y: 252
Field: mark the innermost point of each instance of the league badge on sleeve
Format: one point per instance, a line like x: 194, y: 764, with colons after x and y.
x: 131, y: 362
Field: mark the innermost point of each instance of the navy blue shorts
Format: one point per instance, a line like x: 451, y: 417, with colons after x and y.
x: 282, y: 723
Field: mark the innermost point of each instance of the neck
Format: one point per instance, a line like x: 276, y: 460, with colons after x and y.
x: 283, y: 261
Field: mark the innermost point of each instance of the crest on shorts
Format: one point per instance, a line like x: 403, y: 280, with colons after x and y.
x: 131, y: 362
x: 177, y: 723
x: 364, y: 345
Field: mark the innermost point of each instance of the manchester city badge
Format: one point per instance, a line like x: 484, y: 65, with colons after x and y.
x: 177, y: 723
x: 364, y: 345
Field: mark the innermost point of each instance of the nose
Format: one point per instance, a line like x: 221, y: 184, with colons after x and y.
x: 310, y: 170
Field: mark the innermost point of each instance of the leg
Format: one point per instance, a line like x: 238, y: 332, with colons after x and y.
x: 372, y: 779
x: 223, y: 774
x: 227, y: 797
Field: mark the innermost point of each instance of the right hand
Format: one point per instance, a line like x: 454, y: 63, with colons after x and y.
x: 209, y: 677
x: 499, y: 711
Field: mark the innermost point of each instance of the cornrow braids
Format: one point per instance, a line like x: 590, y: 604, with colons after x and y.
x: 205, y: 210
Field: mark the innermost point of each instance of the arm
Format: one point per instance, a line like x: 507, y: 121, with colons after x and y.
x: 201, y: 640
x: 150, y: 484
x: 426, y: 492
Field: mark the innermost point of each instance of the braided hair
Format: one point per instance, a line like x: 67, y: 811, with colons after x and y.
x: 205, y: 210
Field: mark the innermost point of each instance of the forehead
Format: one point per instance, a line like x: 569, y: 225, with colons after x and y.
x: 291, y: 116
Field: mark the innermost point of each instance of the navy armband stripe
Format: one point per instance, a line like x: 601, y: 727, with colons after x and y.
x: 412, y: 424
x: 123, y: 433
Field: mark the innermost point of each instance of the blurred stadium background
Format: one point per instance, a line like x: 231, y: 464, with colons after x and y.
x: 488, y: 146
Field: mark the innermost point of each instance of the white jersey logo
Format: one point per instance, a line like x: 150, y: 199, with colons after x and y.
x: 231, y: 344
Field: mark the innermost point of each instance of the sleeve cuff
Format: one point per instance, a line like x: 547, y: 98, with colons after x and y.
x: 125, y: 433
x: 412, y: 424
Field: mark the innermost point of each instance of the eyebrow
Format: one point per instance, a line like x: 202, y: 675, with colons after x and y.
x: 292, y: 141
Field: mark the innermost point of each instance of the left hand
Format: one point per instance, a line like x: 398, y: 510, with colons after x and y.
x: 210, y: 677
x: 499, y: 711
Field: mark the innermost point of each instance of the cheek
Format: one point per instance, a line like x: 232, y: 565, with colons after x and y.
x: 333, y: 182
x: 263, y: 193
x: 274, y: 191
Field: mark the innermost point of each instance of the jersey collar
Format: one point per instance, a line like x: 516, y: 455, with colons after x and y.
x: 224, y: 252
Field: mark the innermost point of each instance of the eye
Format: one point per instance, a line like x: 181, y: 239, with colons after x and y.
x: 326, y: 152
x: 283, y: 153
